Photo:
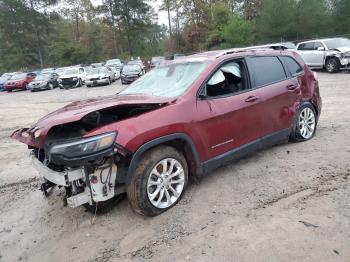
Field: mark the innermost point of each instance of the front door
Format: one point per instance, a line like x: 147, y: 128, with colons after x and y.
x: 228, y: 110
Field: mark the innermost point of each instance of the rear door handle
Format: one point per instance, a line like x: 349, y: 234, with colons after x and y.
x: 292, y: 87
x: 251, y: 99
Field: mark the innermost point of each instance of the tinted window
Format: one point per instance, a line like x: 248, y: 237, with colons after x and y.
x: 266, y: 70
x: 306, y: 46
x: 292, y: 66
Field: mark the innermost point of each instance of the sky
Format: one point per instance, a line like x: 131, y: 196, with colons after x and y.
x: 162, y: 15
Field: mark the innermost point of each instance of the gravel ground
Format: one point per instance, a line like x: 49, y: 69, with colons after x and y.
x: 287, y: 203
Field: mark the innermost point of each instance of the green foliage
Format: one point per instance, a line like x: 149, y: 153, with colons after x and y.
x: 35, y: 33
x: 238, y: 32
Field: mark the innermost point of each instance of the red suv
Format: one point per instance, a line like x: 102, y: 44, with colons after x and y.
x: 19, y: 81
x: 181, y: 119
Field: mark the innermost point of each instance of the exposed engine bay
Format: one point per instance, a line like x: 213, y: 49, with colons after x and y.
x: 99, y: 179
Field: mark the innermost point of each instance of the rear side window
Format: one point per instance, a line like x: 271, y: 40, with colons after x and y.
x: 291, y: 65
x: 266, y: 70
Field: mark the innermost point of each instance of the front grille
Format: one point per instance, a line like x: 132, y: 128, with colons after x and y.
x: 94, y: 79
x: 69, y: 81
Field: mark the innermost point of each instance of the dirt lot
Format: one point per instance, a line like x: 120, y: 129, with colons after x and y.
x: 290, y: 202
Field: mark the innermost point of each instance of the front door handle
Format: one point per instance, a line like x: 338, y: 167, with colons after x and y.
x: 251, y: 99
x: 292, y: 87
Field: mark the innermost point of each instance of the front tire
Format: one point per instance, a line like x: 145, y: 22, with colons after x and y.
x: 305, y: 124
x: 332, y: 65
x: 159, y: 181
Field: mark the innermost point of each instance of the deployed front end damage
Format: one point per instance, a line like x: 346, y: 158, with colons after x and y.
x: 92, y: 169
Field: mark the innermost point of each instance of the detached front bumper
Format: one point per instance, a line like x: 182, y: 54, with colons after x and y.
x: 58, y: 178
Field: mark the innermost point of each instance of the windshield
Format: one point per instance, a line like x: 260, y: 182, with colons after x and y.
x: 131, y: 68
x: 135, y: 62
x: 43, y: 77
x: 18, y: 76
x: 336, y: 43
x: 113, y: 62
x: 72, y: 71
x: 167, y: 81
x: 98, y: 70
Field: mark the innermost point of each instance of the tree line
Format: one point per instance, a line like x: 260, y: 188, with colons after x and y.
x: 51, y: 33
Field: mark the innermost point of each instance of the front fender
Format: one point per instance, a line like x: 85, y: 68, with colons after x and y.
x: 136, y: 157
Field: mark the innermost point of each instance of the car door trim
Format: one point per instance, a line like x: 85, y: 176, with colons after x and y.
x: 246, y: 149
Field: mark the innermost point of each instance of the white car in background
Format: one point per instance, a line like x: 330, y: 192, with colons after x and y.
x: 72, y: 77
x: 99, y: 76
x: 116, y: 72
x: 332, y: 54
x: 115, y: 63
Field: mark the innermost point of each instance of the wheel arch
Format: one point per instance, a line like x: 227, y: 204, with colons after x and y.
x: 179, y: 141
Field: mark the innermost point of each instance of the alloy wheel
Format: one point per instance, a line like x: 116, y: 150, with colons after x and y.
x: 166, y: 183
x: 307, y: 123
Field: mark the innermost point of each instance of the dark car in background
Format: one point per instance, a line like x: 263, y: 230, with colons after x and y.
x: 19, y: 81
x: 130, y: 73
x: 46, y: 81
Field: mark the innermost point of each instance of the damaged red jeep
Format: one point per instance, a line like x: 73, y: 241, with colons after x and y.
x: 182, y: 119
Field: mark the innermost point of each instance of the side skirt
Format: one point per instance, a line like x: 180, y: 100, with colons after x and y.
x: 244, y: 150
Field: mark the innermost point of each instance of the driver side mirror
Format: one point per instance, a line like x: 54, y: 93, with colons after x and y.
x: 320, y: 48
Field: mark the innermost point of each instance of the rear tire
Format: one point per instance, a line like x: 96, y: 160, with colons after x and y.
x: 305, y: 124
x: 159, y: 181
x: 332, y: 65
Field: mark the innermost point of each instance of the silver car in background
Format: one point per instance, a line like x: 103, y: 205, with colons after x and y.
x: 332, y: 54
x: 99, y: 76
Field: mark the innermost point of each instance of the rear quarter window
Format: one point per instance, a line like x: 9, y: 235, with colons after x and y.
x: 291, y: 65
x: 266, y: 70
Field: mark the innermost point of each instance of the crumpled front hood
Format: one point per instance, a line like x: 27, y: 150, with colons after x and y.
x: 76, y: 110
x: 69, y: 76
x: 344, y: 49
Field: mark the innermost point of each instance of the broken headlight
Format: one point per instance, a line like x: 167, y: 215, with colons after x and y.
x: 85, y: 146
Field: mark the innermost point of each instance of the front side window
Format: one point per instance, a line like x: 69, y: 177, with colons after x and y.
x: 166, y: 81
x: 266, y: 70
x: 318, y: 45
x: 230, y: 78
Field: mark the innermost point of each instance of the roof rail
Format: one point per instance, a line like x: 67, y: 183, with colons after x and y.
x: 261, y: 47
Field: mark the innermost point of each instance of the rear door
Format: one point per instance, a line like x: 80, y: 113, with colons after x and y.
x: 318, y: 55
x: 279, y: 91
x: 306, y: 50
